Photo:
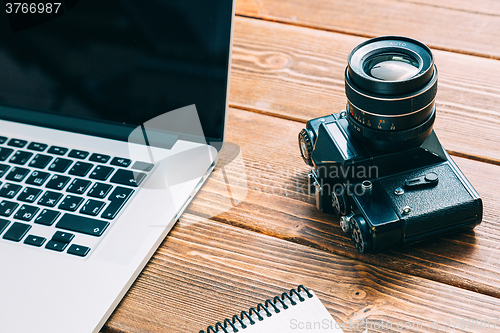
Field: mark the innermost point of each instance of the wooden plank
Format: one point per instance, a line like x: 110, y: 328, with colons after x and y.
x: 298, y: 73
x: 472, y: 29
x: 487, y: 7
x: 277, y: 204
x: 206, y: 271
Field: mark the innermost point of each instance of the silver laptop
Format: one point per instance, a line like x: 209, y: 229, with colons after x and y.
x: 112, y: 114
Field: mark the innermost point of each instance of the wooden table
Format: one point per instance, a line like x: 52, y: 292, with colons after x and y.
x: 288, y: 64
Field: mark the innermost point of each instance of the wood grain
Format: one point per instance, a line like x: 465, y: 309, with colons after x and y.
x: 194, y: 280
x: 277, y: 204
x: 464, y: 28
x: 298, y: 73
x: 487, y: 7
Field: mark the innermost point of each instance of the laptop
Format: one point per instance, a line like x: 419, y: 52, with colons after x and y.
x: 112, y: 114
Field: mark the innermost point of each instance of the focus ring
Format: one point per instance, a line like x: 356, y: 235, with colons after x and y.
x: 391, y: 106
x: 392, y: 136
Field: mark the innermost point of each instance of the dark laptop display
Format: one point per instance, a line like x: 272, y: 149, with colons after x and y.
x: 117, y: 63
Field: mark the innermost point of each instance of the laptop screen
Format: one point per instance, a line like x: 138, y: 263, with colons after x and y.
x: 105, y: 67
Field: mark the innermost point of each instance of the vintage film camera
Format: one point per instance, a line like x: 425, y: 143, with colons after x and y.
x: 379, y: 164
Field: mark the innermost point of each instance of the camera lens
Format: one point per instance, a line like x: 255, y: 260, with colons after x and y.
x: 391, y: 85
x: 391, y: 67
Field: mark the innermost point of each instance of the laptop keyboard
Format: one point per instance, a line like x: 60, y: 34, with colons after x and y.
x: 73, y: 192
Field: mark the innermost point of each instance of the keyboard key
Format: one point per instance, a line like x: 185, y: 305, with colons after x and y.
x: 99, y: 190
x: 60, y: 165
x: 78, y: 186
x: 50, y: 199
x: 37, y: 178
x: 142, y: 166
x: 99, y: 158
x: 78, y: 154
x: 120, y: 161
x: 26, y: 212
x: 56, y: 246
x: 3, y: 139
x: 118, y: 199
x: 47, y: 217
x: 3, y: 224
x: 7, y: 207
x: 17, y: 174
x: 92, y: 207
x: 80, y: 169
x: 3, y: 169
x: 17, y: 143
x: 101, y: 172
x: 112, y: 210
x: 63, y: 237
x: 34, y: 240
x: 58, y: 182
x: 5, y: 153
x: 121, y: 194
x: 40, y: 161
x: 82, y: 224
x: 71, y: 203
x: 127, y: 177
x: 20, y: 157
x: 9, y: 190
x: 29, y: 194
x: 78, y: 250
x: 37, y: 146
x: 17, y: 231
x: 57, y: 150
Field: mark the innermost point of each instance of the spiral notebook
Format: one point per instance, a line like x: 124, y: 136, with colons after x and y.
x: 296, y: 311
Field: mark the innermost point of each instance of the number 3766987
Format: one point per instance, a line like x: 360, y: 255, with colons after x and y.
x: 32, y: 8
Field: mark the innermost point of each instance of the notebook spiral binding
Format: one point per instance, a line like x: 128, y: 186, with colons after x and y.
x: 270, y: 303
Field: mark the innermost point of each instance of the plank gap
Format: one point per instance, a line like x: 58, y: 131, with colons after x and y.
x: 267, y: 113
x: 474, y: 157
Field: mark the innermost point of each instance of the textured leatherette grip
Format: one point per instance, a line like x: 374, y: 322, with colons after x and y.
x: 442, y: 208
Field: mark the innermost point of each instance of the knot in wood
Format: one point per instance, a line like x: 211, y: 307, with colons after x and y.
x: 278, y: 61
x: 359, y: 294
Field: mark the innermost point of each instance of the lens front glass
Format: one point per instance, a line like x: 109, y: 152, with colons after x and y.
x: 391, y: 67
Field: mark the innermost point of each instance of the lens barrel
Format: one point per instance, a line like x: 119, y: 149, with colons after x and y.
x: 391, y: 85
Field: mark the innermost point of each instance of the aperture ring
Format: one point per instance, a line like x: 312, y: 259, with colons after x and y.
x: 392, y: 136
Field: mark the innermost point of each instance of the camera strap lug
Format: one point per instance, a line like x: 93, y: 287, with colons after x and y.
x: 316, y: 188
x: 345, y: 223
x: 313, y: 180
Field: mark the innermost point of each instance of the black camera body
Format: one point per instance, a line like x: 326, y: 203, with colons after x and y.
x: 383, y: 170
x: 391, y: 199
